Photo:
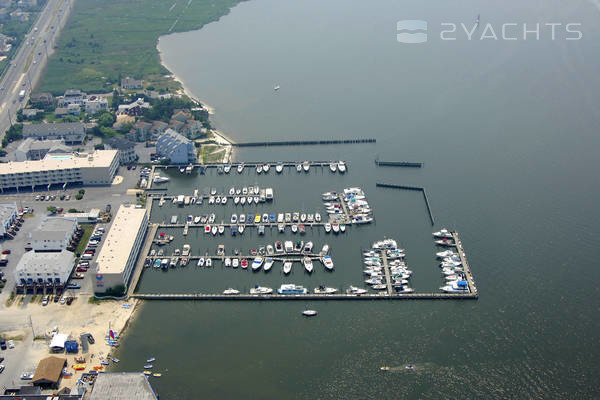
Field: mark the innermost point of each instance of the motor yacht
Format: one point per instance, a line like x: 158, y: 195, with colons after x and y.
x: 294, y: 228
x: 231, y: 291
x: 278, y: 247
x: 244, y: 263
x: 299, y: 167
x: 290, y: 288
x: 257, y: 263
x: 287, y: 266
x: 234, y: 218
x: 306, y: 166
x: 235, y: 262
x: 309, y: 313
x: 288, y: 246
x: 355, y: 290
x: 332, y: 166
x: 200, y: 262
x: 268, y: 263
x: 327, y: 227
x: 324, y: 250
x: 308, y: 264
x: 266, y: 168
x: 327, y: 262
x: 259, y: 169
x: 240, y: 168
x: 227, y: 262
x: 341, y: 167
x: 261, y: 290
x: 279, y: 168
x: 241, y: 229
x: 325, y: 290
x: 442, y: 233
x: 281, y: 228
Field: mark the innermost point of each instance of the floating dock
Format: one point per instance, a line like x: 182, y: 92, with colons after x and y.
x: 253, y: 164
x: 398, y: 164
x: 305, y: 297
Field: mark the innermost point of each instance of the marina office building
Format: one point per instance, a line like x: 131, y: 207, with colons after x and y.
x: 97, y: 168
x: 118, y: 255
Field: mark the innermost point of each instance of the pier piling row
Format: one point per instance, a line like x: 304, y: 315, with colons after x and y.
x: 414, y: 188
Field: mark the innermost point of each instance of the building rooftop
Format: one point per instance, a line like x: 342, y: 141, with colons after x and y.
x: 52, y: 129
x: 99, y: 158
x: 120, y: 143
x: 54, y: 228
x: 49, y: 369
x: 33, y: 144
x: 120, y: 239
x: 6, y: 210
x: 122, y: 386
x: 60, y: 262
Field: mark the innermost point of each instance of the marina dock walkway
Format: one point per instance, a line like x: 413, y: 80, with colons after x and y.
x: 465, y: 264
x: 305, y: 297
x: 139, y: 267
x: 386, y: 268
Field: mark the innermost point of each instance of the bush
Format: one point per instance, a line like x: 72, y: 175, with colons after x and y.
x: 79, y: 196
x: 81, y: 191
x: 74, y: 210
x: 51, y: 209
x: 99, y: 147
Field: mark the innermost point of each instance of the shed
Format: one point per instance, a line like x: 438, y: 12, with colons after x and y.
x: 49, y: 371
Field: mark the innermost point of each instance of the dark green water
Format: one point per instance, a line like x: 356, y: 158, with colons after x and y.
x: 508, y: 132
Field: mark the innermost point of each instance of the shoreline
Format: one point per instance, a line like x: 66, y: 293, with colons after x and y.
x: 225, y: 140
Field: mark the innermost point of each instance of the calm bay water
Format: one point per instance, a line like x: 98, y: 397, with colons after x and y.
x: 508, y: 135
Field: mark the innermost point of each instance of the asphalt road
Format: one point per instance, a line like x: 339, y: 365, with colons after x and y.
x: 27, y: 66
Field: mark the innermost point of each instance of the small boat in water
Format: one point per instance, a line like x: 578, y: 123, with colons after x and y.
x: 288, y: 246
x: 200, y: 262
x: 442, y: 233
x: 208, y: 262
x: 291, y: 289
x: 327, y: 227
x: 306, y: 166
x: 261, y: 290
x: 268, y: 264
x: 342, y: 167
x: 259, y: 169
x: 327, y: 262
x: 308, y: 264
x: 309, y: 313
x: 299, y: 167
x: 240, y: 168
x: 257, y: 263
x: 279, y: 168
x: 355, y: 290
x: 266, y: 168
x: 287, y: 266
x: 325, y: 290
x: 332, y: 166
x: 244, y: 263
x: 231, y: 291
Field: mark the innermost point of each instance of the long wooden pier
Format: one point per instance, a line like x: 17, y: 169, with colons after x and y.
x: 465, y: 264
x: 303, y: 142
x: 137, y: 272
x: 386, y: 269
x: 253, y: 164
x: 305, y: 297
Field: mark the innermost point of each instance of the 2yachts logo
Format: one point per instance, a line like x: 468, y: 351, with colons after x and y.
x: 415, y: 31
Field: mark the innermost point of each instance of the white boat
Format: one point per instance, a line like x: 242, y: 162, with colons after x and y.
x: 287, y: 266
x: 241, y: 229
x: 380, y: 286
x: 341, y: 167
x: 200, y: 262
x: 333, y: 166
x: 442, y: 233
x: 279, y: 168
x: 327, y: 227
x: 236, y: 200
x: 302, y: 217
x: 214, y: 230
x: 342, y: 228
x: 268, y: 263
x: 294, y: 228
x: 261, y: 290
x: 213, y: 191
x: 276, y: 87
x: 227, y: 168
x: 160, y: 179
x: 245, y: 191
x: 308, y: 264
x: 317, y: 217
x: 309, y: 313
x: 249, y: 199
x: 325, y: 290
x: 231, y: 291
x: 211, y: 200
x: 218, y: 200
x: 288, y: 217
x: 404, y: 289
x: 259, y: 169
x: 235, y: 262
x: 290, y: 288
x: 299, y: 167
x: 231, y: 191
x: 335, y: 227
x: 444, y: 254
x: 240, y: 168
x: 324, y: 250
x: 281, y: 228
x: 242, y: 200
x: 288, y: 246
x: 197, y: 219
x: 306, y: 166
x: 327, y: 262
x: 355, y: 290
x: 257, y: 263
x: 227, y: 262
x: 223, y: 200
x: 221, y: 229
x: 307, y: 247
x: 208, y: 262
x: 266, y: 168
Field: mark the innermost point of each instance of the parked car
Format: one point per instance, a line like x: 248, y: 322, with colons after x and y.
x: 56, y: 298
x: 26, y: 376
x: 73, y: 286
x: 70, y: 300
x: 45, y: 300
x: 6, y: 251
x: 1, y: 368
x: 68, y: 197
x: 90, y: 338
x: 3, y: 344
x: 81, y: 269
x: 63, y: 300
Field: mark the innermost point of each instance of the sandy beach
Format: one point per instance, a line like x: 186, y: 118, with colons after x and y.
x: 80, y: 317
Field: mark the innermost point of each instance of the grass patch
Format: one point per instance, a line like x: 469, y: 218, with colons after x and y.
x: 93, y: 300
x: 104, y: 41
x: 87, y: 232
x: 211, y: 153
x: 11, y: 299
x: 17, y: 337
x: 39, y: 338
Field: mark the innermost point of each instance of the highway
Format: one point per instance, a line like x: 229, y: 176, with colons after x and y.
x: 29, y: 62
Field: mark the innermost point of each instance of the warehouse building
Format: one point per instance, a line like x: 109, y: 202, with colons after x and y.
x: 97, y: 168
x: 118, y: 255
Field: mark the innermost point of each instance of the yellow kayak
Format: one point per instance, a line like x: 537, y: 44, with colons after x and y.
x: 157, y: 374
x: 385, y: 368
x: 147, y: 372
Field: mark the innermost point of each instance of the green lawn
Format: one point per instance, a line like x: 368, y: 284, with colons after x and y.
x: 108, y: 39
x: 87, y: 232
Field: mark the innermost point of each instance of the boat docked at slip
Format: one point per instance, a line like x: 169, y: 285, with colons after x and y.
x: 268, y: 264
x: 240, y: 168
x: 456, y: 287
x: 306, y: 166
x: 355, y: 290
x: 279, y: 168
x: 446, y: 253
x: 231, y: 291
x: 160, y: 179
x: 227, y: 168
x: 234, y: 218
x: 341, y: 167
x: 442, y: 233
x: 257, y: 263
x: 307, y: 247
x: 261, y: 290
x: 259, y: 169
x: 327, y: 227
x: 208, y: 262
x: 288, y: 246
x: 325, y: 290
x: 266, y: 168
x: 235, y: 262
x: 290, y: 288
x: 308, y: 264
x: 287, y: 266
x: 200, y: 262
x: 327, y: 262
x: 333, y: 166
x: 299, y: 167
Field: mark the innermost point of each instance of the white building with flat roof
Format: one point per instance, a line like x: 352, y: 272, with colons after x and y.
x: 54, y: 234
x: 38, y: 268
x: 97, y: 168
x: 118, y: 255
x: 8, y: 213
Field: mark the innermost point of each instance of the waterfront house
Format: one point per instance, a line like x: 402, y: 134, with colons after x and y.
x: 176, y: 147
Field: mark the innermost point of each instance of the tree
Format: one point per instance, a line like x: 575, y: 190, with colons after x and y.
x: 78, y: 196
x: 115, y: 101
x: 20, y: 117
x: 99, y: 147
x: 51, y: 209
x: 81, y: 191
x: 106, y: 120
x: 13, y: 133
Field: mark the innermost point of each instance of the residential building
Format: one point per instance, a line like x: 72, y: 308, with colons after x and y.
x: 72, y: 96
x: 29, y: 113
x: 97, y: 168
x: 32, y: 149
x: 19, y: 15
x: 181, y: 115
x: 140, y: 131
x: 94, y: 104
x: 134, y: 109
x: 130, y: 83
x: 157, y: 129
x: 8, y: 213
x: 193, y: 129
x: 176, y: 125
x: 90, y: 217
x: 43, y: 98
x: 122, y: 386
x: 44, y: 268
x: 5, y: 44
x: 118, y: 255
x: 71, y: 132
x: 125, y: 147
x: 176, y: 147
x: 53, y: 234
